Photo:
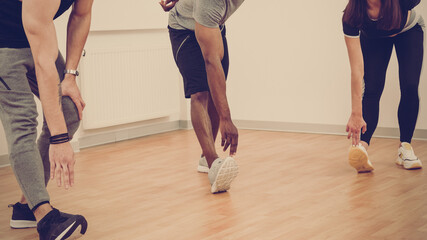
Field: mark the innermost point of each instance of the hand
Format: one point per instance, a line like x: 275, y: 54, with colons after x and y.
x: 229, y: 136
x: 61, y: 157
x: 70, y: 89
x: 355, y: 123
x: 167, y: 5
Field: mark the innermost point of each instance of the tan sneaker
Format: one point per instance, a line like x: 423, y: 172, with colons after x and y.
x: 358, y: 158
x: 406, y: 157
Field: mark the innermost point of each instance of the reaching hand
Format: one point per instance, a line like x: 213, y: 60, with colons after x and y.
x: 230, y: 136
x: 70, y: 89
x: 61, y: 157
x: 354, y: 125
x: 167, y: 5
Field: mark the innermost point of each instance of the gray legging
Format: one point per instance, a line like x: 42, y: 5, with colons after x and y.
x: 18, y: 113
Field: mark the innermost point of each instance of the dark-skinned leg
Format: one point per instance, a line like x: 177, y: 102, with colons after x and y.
x: 202, y: 125
x: 214, y: 117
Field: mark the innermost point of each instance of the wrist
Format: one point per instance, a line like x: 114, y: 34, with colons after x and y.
x: 72, y: 72
x: 70, y: 76
x: 225, y: 119
x: 356, y: 113
x: 59, y: 138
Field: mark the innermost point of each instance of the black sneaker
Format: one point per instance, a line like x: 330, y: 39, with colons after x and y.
x: 57, y: 225
x: 22, y: 216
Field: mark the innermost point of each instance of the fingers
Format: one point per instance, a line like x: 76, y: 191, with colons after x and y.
x: 355, y: 138
x: 364, y: 128
x: 227, y: 142
x: 234, y: 143
x: 66, y: 176
x: 79, y: 105
x: 52, y: 169
x: 168, y: 4
x: 58, y: 174
x: 71, y: 170
x: 231, y: 141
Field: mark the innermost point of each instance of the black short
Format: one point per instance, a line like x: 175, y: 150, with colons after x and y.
x: 189, y: 59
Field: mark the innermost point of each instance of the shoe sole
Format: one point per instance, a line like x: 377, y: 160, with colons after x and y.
x: 202, y: 169
x: 409, y: 165
x: 359, y: 160
x: 76, y: 230
x: 226, y: 174
x: 20, y: 224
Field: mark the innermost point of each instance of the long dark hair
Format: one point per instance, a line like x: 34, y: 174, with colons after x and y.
x: 391, y: 16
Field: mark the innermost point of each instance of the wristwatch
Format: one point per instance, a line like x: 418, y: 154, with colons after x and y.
x: 72, y: 72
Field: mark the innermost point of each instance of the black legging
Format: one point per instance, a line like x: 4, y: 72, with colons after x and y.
x: 376, y: 56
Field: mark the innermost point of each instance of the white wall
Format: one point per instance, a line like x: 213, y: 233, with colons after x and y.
x: 288, y: 64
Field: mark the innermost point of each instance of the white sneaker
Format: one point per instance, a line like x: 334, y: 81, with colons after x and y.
x: 203, y: 165
x: 222, y: 173
x: 358, y: 158
x: 406, y: 157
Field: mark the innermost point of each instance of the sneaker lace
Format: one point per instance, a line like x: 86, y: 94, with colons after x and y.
x: 409, y: 154
x: 45, y: 225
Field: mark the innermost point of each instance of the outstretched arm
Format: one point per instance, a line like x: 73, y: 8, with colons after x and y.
x: 37, y: 17
x: 211, y: 44
x: 356, y: 122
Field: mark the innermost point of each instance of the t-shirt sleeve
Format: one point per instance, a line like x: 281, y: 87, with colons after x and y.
x: 409, y: 4
x: 209, y: 13
x: 350, y: 31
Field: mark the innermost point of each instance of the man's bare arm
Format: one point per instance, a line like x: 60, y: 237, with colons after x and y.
x: 37, y: 17
x: 211, y: 44
x: 77, y: 32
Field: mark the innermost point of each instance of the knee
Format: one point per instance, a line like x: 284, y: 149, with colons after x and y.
x: 200, y: 97
x: 409, y: 90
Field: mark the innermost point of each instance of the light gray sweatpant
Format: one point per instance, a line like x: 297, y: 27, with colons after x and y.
x: 18, y: 113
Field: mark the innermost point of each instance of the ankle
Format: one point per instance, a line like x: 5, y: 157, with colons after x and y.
x: 211, y: 159
x: 23, y: 200
x: 364, y: 144
x: 42, y: 211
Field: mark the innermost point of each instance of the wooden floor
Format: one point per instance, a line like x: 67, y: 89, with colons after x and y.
x: 290, y: 186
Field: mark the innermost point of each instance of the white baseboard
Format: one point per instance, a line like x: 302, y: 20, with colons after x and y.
x: 130, y: 133
x: 419, y: 134
x: 4, y: 160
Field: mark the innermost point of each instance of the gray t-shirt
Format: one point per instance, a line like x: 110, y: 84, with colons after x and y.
x: 209, y: 13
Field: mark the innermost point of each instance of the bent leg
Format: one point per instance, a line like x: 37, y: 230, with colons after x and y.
x: 18, y: 114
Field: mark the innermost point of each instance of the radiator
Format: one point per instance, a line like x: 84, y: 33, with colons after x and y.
x: 128, y: 85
